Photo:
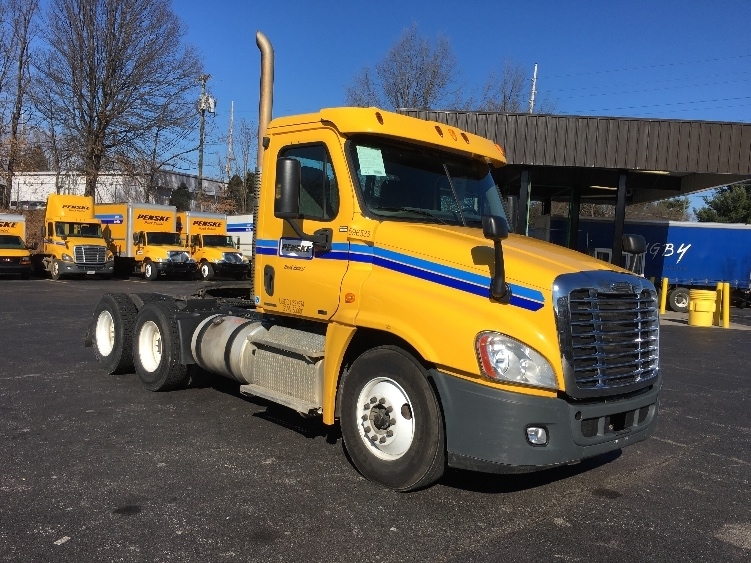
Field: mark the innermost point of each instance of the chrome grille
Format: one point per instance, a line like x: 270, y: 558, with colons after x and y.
x: 609, y: 337
x: 89, y: 254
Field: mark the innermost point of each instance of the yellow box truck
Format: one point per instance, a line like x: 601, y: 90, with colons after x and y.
x: 14, y: 254
x: 144, y: 239
x: 72, y: 239
x: 387, y: 295
x: 211, y: 246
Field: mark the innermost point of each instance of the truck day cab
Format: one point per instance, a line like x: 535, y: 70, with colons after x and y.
x: 386, y: 294
x: 145, y: 240
x: 205, y: 234
x: 72, y: 239
x: 14, y: 255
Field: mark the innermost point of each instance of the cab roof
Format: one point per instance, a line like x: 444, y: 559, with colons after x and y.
x: 349, y: 121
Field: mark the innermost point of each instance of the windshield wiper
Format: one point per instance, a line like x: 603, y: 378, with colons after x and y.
x: 423, y: 212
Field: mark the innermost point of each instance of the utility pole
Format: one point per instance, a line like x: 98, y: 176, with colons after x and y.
x: 534, y: 91
x: 230, y: 154
x: 205, y: 103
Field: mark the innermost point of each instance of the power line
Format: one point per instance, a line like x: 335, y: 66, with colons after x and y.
x: 666, y: 65
x: 671, y: 104
x: 655, y: 89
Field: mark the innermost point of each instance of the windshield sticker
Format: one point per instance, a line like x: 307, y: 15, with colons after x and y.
x: 371, y: 161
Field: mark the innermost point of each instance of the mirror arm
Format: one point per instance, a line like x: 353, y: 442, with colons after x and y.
x: 321, y: 238
x: 499, y: 289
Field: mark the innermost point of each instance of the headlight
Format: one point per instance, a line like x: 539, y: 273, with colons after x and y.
x: 503, y: 358
x: 232, y: 257
x: 110, y: 257
x: 25, y: 260
x: 67, y: 257
x: 155, y: 259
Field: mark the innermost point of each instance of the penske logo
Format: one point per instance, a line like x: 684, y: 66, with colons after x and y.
x: 76, y: 207
x: 6, y: 225
x: 207, y: 223
x: 157, y: 218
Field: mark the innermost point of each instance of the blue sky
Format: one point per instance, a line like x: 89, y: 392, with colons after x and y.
x: 676, y: 59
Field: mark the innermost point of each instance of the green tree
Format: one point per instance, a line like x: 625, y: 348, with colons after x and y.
x: 180, y: 198
x: 729, y: 204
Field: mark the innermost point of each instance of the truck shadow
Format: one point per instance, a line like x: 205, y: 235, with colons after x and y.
x: 311, y: 427
x: 510, y: 483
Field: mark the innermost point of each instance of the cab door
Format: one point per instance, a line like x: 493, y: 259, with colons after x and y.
x: 294, y: 277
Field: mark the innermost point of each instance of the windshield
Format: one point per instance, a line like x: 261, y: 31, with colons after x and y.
x: 169, y: 239
x: 91, y: 230
x: 11, y: 241
x: 218, y: 240
x: 411, y: 183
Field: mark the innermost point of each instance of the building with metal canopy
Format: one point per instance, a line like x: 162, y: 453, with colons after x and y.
x: 604, y: 160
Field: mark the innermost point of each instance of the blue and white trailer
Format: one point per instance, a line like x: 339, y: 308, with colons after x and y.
x: 691, y: 255
x: 240, y: 227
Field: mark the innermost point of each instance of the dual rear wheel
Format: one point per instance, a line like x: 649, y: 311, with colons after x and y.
x: 125, y: 338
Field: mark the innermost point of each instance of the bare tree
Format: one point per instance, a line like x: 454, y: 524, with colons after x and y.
x: 246, y: 144
x: 23, y: 14
x: 507, y: 90
x: 413, y: 74
x: 116, y: 72
x: 7, y: 42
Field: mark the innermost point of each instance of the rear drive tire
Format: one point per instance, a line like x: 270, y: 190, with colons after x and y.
x: 207, y: 271
x: 156, y: 348
x: 114, y: 317
x: 391, y: 421
x: 678, y: 299
x: 150, y: 272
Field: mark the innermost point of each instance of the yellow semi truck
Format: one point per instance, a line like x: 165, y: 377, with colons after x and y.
x: 72, y: 239
x: 14, y: 254
x: 213, y: 249
x: 386, y: 295
x: 144, y: 239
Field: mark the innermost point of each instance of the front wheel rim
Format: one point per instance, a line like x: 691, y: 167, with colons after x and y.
x: 204, y: 271
x: 150, y: 346
x: 385, y: 419
x: 105, y: 333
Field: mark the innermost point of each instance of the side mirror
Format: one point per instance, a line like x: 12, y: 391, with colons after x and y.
x: 634, y: 244
x: 494, y: 227
x: 33, y: 245
x: 287, y: 189
x: 136, y: 238
x: 237, y: 242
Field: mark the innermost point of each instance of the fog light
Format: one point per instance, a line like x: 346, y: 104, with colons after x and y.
x: 537, y: 435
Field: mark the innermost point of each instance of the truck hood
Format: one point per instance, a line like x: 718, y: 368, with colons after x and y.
x: 529, y: 262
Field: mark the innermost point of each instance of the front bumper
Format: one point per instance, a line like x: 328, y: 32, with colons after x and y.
x: 486, y: 427
x: 231, y: 268
x: 73, y: 268
x: 12, y: 265
x: 176, y: 268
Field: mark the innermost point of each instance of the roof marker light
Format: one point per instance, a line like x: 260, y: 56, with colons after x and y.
x: 466, y: 139
x: 379, y: 117
x: 453, y: 135
x: 439, y: 130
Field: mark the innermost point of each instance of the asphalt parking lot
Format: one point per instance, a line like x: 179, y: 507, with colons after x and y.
x: 96, y: 468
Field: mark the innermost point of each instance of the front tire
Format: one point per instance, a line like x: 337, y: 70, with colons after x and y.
x: 678, y: 299
x: 114, y: 317
x: 156, y: 348
x: 391, y: 421
x: 207, y: 271
x: 150, y: 272
x: 55, y: 269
